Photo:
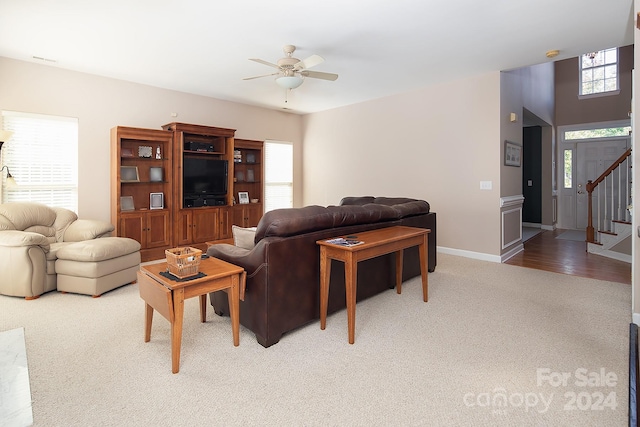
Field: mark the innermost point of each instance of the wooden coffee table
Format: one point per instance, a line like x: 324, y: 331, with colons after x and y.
x: 167, y: 297
x: 376, y: 243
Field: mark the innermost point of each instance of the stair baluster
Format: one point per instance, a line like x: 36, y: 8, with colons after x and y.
x: 605, y: 222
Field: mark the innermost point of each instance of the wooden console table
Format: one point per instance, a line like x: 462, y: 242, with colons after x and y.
x: 167, y: 297
x: 375, y: 243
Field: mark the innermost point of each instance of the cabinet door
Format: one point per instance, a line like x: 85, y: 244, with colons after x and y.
x: 205, y: 225
x: 237, y: 216
x: 253, y: 214
x: 132, y: 226
x: 184, y: 228
x: 158, y: 229
x: 224, y: 221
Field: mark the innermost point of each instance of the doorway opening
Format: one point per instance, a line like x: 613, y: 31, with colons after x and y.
x: 538, y: 177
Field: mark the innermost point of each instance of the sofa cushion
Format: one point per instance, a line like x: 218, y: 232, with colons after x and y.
x: 362, y: 200
x: 353, y: 214
x: 243, y: 237
x: 416, y: 207
x: 292, y: 221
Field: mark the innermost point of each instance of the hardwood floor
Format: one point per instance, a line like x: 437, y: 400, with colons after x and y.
x: 545, y: 252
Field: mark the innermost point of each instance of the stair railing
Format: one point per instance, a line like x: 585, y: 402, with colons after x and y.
x: 616, y: 209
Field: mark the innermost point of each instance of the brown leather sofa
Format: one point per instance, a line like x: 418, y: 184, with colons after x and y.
x: 283, y: 268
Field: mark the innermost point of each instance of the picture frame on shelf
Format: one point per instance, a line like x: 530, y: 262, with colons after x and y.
x: 250, y: 176
x: 129, y: 174
x: 156, y: 201
x: 126, y: 204
x: 243, y: 197
x: 145, y: 151
x: 126, y: 152
x: 251, y: 158
x: 239, y: 176
x: 512, y: 154
x: 155, y: 174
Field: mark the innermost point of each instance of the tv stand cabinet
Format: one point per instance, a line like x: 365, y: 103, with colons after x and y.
x: 201, y: 219
x: 182, y: 220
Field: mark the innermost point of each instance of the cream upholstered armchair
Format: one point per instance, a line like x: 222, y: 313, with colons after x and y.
x: 30, y: 236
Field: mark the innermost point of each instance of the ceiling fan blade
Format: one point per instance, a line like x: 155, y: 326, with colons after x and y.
x: 319, y: 75
x: 261, y: 61
x: 257, y: 77
x: 311, y: 61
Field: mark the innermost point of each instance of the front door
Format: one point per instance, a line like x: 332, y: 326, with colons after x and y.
x: 592, y: 159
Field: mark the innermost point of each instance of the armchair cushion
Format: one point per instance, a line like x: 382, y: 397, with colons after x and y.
x: 23, y: 238
x: 86, y: 229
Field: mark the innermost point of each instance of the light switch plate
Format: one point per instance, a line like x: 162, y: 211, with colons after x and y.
x: 486, y: 185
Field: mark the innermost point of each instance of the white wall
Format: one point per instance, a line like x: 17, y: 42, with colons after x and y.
x: 101, y: 103
x: 435, y: 144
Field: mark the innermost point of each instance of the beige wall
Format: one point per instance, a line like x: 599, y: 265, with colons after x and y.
x: 530, y: 88
x: 435, y: 144
x: 525, y: 91
x: 570, y: 110
x: 100, y: 103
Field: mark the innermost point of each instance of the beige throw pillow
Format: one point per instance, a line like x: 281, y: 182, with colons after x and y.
x: 243, y: 237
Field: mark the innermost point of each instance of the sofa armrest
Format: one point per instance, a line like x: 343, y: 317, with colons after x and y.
x: 87, y: 229
x: 16, y: 238
x: 249, y: 259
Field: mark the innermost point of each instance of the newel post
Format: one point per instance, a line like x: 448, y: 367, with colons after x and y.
x: 590, y: 229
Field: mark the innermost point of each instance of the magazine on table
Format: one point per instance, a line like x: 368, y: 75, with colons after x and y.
x: 344, y: 242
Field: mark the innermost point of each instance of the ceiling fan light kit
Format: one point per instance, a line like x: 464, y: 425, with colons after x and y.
x: 289, y: 82
x: 292, y: 71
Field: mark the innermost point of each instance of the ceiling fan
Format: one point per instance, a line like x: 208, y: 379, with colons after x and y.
x: 292, y: 71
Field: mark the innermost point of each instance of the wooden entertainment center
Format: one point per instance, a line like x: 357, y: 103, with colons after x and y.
x: 148, y: 198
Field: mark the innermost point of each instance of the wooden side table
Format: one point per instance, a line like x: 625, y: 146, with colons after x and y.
x: 167, y: 297
x: 375, y: 243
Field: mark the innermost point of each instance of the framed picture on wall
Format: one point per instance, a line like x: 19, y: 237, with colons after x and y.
x: 243, y: 197
x: 512, y: 154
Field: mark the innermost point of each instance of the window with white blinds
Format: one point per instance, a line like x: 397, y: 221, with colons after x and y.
x: 278, y: 175
x: 42, y: 156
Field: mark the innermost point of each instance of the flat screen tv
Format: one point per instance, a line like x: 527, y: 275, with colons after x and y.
x: 204, y: 176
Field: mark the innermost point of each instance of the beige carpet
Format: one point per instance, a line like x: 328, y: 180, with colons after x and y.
x: 470, y: 356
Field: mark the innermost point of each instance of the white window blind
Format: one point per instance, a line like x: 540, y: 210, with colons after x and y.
x: 278, y: 173
x: 42, y: 156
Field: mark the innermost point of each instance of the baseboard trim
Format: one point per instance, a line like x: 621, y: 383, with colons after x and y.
x: 538, y: 225
x: 469, y: 254
x: 509, y: 254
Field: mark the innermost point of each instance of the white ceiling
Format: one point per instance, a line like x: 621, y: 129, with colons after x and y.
x: 378, y: 47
